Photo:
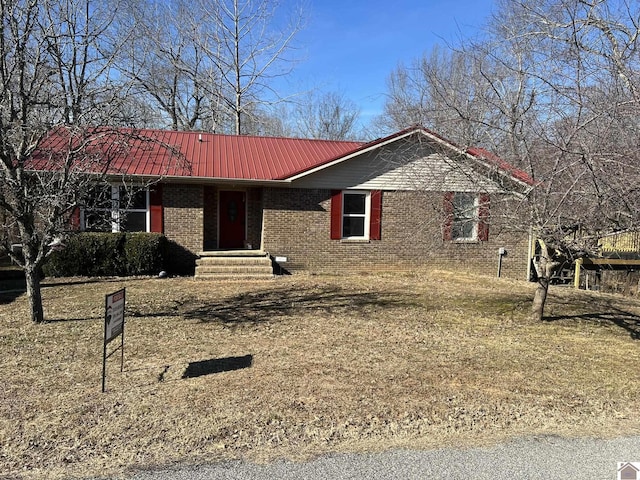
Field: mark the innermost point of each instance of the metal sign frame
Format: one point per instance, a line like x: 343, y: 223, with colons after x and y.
x: 113, y: 327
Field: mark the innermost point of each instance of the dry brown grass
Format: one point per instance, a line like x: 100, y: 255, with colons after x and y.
x: 337, y: 364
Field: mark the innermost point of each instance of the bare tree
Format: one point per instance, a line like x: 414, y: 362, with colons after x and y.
x: 250, y: 50
x: 553, y: 89
x: 329, y: 116
x: 56, y: 61
x: 582, y: 142
x: 213, y: 70
x: 434, y: 91
x: 167, y: 63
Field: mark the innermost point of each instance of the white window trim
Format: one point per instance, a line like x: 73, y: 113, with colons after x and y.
x: 115, y: 211
x: 475, y: 217
x: 366, y: 215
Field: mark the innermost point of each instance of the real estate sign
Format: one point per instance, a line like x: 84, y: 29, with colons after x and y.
x: 114, y: 315
x: 113, y: 327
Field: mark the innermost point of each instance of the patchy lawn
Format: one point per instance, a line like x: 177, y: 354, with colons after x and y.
x: 306, y: 365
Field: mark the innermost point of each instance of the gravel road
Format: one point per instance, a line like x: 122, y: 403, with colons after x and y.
x: 542, y: 457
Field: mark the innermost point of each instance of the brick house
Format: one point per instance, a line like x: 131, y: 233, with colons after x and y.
x: 408, y: 200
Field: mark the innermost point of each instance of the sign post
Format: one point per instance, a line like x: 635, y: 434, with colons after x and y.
x: 113, y: 327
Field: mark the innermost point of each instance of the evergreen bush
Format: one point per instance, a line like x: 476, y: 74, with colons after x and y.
x: 108, y: 254
x: 145, y: 253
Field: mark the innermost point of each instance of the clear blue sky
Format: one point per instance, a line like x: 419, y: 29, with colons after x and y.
x: 352, y: 46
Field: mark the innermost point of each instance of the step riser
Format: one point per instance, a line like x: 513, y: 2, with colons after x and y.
x: 215, y: 266
x: 232, y: 269
x: 233, y: 261
x: 233, y: 253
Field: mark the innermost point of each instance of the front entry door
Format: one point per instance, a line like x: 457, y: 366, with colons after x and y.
x: 232, y: 216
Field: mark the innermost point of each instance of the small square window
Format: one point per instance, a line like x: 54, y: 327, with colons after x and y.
x: 133, y: 199
x: 353, y: 227
x: 100, y: 198
x: 354, y: 204
x: 133, y: 222
x: 98, y: 221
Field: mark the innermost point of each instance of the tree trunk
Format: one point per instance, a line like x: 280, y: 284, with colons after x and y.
x: 540, y: 298
x: 34, y: 293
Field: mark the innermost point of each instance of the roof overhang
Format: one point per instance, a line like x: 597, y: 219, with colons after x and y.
x: 112, y: 176
x: 487, y: 162
x: 204, y: 180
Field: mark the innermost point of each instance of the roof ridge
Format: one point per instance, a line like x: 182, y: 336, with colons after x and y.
x: 233, y: 135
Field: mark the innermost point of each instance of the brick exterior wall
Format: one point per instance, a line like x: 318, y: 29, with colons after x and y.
x: 297, y: 225
x: 210, y: 213
x: 183, y: 224
x: 254, y: 217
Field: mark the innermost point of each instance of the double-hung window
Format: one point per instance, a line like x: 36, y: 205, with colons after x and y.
x: 356, y: 215
x: 356, y: 212
x: 115, y: 208
x: 96, y: 215
x: 132, y: 212
x: 465, y: 217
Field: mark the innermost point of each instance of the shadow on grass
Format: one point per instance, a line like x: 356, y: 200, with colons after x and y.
x: 603, y: 313
x: 10, y: 295
x: 63, y: 320
x: 495, y: 304
x: 217, y: 365
x: 12, y: 288
x: 259, y: 307
x: 12, y: 285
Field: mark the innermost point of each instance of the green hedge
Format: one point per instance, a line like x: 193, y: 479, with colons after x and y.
x: 108, y: 254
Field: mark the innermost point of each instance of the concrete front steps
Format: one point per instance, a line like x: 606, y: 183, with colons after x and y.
x: 234, y: 265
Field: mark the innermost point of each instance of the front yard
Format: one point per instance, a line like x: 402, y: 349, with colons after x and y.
x: 306, y: 365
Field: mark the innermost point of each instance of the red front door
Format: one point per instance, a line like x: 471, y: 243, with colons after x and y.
x: 232, y: 215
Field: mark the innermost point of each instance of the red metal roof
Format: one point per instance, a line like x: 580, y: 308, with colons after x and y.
x: 214, y: 156
x: 193, y: 154
x: 492, y: 158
